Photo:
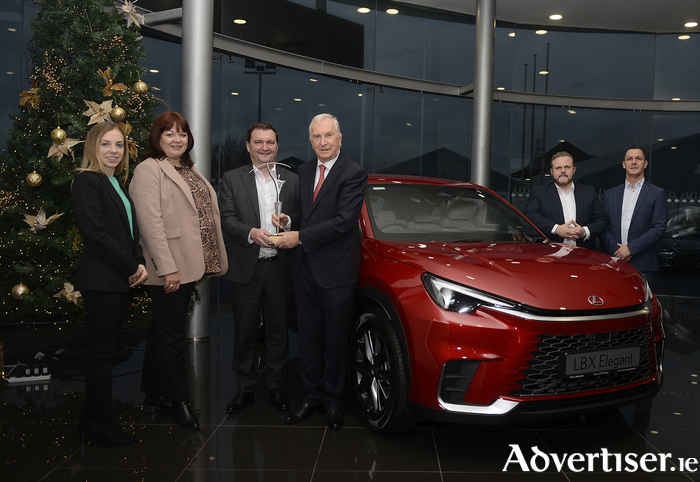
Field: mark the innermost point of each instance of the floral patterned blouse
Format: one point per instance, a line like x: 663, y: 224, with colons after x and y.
x: 202, y: 201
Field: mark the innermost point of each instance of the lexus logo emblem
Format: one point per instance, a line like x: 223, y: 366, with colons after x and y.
x: 595, y: 300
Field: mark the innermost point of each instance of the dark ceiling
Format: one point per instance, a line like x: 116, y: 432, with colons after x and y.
x: 658, y: 16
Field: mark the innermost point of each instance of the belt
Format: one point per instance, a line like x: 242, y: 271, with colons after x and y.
x: 267, y: 260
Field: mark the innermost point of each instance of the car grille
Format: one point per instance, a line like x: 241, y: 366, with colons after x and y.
x: 544, y: 377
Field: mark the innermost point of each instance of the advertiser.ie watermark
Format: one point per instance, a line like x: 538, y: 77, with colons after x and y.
x: 604, y: 461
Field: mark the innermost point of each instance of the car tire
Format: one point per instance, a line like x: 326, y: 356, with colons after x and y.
x: 378, y: 374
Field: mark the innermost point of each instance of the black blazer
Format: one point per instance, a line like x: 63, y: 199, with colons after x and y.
x: 110, y: 255
x: 329, y: 228
x: 544, y: 209
x: 240, y: 212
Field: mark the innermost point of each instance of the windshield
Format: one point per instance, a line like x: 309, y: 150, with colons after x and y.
x: 438, y: 213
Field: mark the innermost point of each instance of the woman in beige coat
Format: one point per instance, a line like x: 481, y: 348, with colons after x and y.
x: 178, y: 217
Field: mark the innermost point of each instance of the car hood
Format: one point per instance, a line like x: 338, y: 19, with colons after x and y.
x: 550, y: 276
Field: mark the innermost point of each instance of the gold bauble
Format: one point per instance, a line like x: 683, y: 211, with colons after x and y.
x: 118, y: 114
x: 20, y: 291
x: 140, y: 87
x: 34, y: 179
x: 58, y: 135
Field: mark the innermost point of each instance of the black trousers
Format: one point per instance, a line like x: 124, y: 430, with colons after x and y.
x: 106, y: 312
x: 323, y: 322
x: 265, y: 291
x: 164, y: 361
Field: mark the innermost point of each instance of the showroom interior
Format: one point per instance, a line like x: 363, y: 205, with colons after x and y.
x: 402, y: 79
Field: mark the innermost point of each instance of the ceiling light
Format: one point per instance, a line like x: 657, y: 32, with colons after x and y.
x: 14, y: 29
x: 313, y: 80
x: 297, y: 100
x: 363, y: 10
x: 10, y: 73
x: 234, y: 93
x: 555, y: 17
x: 660, y: 140
x: 540, y: 32
x: 153, y: 71
x: 240, y: 21
x: 392, y: 11
x: 359, y: 95
x: 691, y: 24
x: 571, y: 111
x: 512, y: 34
x: 498, y: 88
x: 544, y: 72
x: 676, y: 98
x: 674, y: 147
x: 683, y: 37
x: 408, y: 124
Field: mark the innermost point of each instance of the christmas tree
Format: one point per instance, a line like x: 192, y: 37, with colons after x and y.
x: 84, y: 58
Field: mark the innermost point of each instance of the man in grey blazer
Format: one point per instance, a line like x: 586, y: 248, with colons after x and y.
x: 261, y: 276
x: 637, y: 216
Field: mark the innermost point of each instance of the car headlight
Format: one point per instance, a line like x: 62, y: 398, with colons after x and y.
x: 458, y: 298
x: 648, y: 295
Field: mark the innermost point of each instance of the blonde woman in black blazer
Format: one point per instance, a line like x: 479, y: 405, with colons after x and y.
x: 111, y: 263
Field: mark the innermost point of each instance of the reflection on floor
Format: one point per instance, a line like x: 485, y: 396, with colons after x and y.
x: 40, y: 440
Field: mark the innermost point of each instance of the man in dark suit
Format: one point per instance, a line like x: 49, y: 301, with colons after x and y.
x: 261, y: 278
x: 637, y: 216
x: 566, y: 213
x: 327, y: 266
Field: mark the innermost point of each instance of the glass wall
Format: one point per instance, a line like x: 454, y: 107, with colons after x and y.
x: 416, y: 132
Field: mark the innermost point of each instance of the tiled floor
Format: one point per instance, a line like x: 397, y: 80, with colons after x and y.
x: 40, y: 440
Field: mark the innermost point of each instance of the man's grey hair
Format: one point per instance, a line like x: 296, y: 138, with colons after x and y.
x: 320, y: 117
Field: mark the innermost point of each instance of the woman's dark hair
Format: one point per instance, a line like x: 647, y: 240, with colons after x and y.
x: 164, y: 122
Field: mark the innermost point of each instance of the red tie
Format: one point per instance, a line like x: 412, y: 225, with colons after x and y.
x: 320, y: 181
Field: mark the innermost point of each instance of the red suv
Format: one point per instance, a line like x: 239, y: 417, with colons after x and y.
x: 465, y: 312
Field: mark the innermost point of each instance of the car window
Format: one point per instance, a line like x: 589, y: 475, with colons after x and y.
x: 417, y: 212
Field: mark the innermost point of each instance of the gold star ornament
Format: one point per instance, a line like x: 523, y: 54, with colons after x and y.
x: 98, y: 112
x: 130, y: 13
x: 64, y: 148
x: 111, y: 86
x: 31, y: 96
x: 40, y: 221
x: 69, y: 292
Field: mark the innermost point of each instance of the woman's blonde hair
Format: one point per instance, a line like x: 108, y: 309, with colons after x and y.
x: 91, y: 161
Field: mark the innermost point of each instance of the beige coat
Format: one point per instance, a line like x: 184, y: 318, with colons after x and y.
x: 169, y: 223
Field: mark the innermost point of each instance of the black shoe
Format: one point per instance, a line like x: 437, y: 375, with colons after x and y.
x: 335, y: 418
x: 152, y: 403
x: 240, y: 401
x: 184, y: 416
x: 278, y: 400
x: 111, y: 434
x: 302, y: 412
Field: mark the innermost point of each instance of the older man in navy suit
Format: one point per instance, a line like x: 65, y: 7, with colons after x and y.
x: 566, y: 213
x: 637, y: 216
x: 327, y: 266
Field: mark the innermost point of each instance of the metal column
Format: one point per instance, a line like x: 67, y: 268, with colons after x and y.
x: 197, y: 48
x: 483, y: 91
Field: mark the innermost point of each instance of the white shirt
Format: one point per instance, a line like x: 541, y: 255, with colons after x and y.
x: 267, y: 195
x: 629, y: 201
x: 328, y: 164
x: 568, y: 204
